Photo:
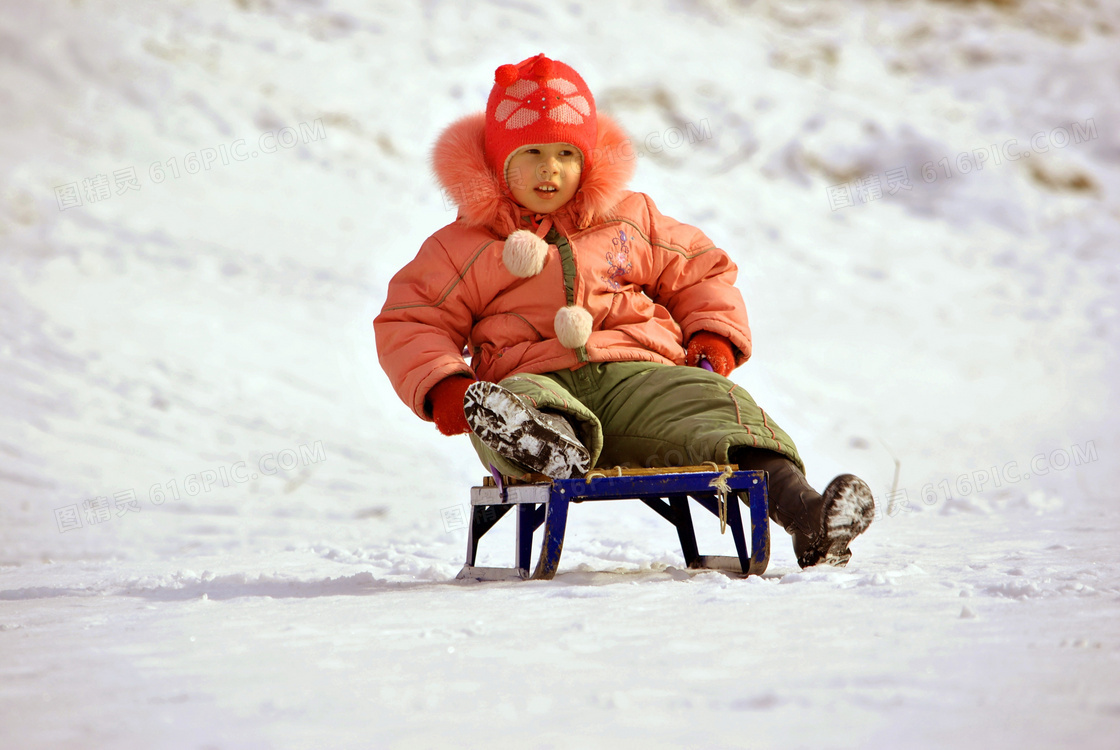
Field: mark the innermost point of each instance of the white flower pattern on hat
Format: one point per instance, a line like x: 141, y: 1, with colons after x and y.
x: 525, y: 102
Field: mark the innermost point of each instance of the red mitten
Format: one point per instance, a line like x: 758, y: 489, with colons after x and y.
x: 446, y: 404
x: 715, y: 348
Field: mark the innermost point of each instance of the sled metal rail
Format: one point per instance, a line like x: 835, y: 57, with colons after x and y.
x: 666, y: 491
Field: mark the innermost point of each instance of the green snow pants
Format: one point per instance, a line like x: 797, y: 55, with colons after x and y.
x: 647, y: 415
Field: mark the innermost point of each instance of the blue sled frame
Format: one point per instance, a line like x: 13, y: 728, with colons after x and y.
x: 667, y: 493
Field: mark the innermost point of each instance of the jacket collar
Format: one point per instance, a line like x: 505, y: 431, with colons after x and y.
x: 459, y: 162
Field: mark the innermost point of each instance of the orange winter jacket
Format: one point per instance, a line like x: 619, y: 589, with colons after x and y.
x: 647, y: 282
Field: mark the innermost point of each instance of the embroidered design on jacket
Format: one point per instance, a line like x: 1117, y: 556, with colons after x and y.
x: 619, y: 260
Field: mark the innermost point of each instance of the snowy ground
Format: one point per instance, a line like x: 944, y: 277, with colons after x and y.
x: 220, y: 529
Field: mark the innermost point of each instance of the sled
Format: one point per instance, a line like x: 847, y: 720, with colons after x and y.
x: 542, y: 501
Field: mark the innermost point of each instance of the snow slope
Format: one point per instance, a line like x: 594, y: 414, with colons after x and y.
x: 219, y: 528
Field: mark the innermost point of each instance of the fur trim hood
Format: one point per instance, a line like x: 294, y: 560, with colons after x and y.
x: 459, y: 162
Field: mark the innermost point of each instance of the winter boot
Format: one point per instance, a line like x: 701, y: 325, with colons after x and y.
x: 847, y: 509
x: 541, y: 441
x: 822, y: 526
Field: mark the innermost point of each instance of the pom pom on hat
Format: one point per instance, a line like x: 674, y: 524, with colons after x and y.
x: 524, y: 253
x: 505, y: 75
x: 573, y: 326
x: 542, y: 68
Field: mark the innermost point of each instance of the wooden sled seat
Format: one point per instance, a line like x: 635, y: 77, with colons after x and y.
x: 543, y: 501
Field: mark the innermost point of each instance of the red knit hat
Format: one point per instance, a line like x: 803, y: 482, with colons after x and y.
x: 538, y: 101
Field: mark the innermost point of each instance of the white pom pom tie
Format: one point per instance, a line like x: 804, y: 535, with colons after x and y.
x: 573, y: 326
x: 524, y: 253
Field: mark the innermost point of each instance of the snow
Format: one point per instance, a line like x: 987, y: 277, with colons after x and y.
x: 267, y: 542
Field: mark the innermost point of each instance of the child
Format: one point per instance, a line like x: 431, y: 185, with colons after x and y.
x: 589, y: 316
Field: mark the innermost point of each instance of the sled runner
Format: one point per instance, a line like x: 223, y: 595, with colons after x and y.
x: 543, y: 501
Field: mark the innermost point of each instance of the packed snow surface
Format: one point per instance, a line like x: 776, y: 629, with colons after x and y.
x: 220, y: 528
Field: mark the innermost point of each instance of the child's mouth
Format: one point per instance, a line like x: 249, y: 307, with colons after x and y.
x: 545, y: 191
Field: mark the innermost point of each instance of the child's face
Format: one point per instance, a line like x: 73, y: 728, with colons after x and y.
x: 544, y: 176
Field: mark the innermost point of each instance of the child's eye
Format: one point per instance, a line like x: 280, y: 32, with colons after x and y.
x: 532, y: 151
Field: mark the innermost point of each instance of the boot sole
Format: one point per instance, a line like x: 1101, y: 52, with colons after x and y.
x: 505, y: 424
x: 849, y: 508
